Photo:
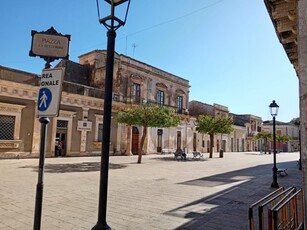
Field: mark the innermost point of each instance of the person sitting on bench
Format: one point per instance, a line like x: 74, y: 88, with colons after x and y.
x: 181, y: 153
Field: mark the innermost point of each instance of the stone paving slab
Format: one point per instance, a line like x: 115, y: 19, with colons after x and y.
x: 160, y: 193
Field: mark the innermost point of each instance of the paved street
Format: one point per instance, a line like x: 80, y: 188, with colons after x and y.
x: 160, y: 193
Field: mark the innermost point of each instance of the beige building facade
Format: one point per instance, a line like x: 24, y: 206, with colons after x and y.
x: 290, y: 22
x: 77, y: 130
x: 246, y: 127
x: 79, y: 124
x: 283, y: 129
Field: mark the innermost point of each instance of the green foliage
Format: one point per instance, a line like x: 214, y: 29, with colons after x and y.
x: 264, y: 136
x: 149, y: 116
x: 295, y: 121
x: 210, y: 125
x: 283, y: 138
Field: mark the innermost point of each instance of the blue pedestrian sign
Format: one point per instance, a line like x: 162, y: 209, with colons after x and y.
x: 44, y: 99
x: 49, y: 95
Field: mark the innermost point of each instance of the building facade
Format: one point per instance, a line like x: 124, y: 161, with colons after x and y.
x: 77, y: 130
x: 246, y: 127
x: 283, y: 129
x: 79, y: 125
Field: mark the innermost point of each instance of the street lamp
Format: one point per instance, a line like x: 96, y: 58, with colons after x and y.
x: 274, y: 110
x: 112, y: 23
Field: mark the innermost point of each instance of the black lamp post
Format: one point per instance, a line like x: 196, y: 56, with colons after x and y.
x: 112, y: 23
x: 274, y: 110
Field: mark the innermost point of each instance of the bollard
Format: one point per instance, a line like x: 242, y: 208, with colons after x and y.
x: 221, y: 153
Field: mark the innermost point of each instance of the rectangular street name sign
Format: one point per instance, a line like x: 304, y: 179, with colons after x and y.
x: 49, y: 95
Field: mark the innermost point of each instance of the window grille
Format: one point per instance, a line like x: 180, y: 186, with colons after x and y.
x: 100, y: 132
x: 7, y: 125
x: 62, y: 124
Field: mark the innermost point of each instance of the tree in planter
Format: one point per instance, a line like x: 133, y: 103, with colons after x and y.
x: 206, y: 124
x: 282, y: 139
x: 148, y: 116
x: 266, y: 136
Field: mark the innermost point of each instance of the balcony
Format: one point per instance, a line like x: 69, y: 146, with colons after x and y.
x: 74, y: 88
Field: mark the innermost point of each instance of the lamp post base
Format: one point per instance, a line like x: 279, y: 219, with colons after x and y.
x: 100, y: 226
x: 274, y: 185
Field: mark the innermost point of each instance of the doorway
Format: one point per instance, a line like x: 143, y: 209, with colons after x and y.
x: 135, y: 141
x: 60, y: 138
x: 178, y: 139
x: 194, y: 142
x: 159, y: 144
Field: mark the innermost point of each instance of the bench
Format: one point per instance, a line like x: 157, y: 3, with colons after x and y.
x: 180, y: 156
x: 168, y: 151
x: 282, y: 172
x: 197, y: 155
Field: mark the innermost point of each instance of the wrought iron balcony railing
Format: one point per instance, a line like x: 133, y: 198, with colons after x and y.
x: 79, y: 89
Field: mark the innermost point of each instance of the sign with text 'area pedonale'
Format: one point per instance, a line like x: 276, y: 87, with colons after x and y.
x: 50, y: 92
x: 49, y: 44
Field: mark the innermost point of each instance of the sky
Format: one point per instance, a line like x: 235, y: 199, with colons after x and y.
x: 227, y: 49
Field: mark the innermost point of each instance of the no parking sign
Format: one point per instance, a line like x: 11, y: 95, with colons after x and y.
x: 49, y: 95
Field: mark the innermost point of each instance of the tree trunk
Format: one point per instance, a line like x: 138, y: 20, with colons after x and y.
x: 211, y: 145
x: 140, y: 152
x: 128, y: 145
x: 265, y: 145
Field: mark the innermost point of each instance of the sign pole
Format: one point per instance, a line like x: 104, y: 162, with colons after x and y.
x: 49, y: 45
x: 40, y: 184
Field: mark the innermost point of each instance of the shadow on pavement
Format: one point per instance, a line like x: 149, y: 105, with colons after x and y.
x: 228, y: 209
x: 172, y: 158
x: 78, y: 167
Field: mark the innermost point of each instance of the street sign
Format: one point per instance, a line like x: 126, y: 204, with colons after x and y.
x: 49, y: 95
x: 49, y: 44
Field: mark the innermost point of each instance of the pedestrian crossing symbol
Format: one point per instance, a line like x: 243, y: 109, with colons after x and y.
x: 45, y: 98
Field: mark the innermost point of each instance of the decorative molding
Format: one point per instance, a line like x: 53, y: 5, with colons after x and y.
x: 67, y: 114
x: 11, y: 108
x: 161, y: 85
x: 10, y: 144
x: 180, y: 92
x: 18, y: 90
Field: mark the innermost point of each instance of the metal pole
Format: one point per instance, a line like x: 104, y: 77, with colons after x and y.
x: 104, y: 171
x: 40, y: 184
x: 300, y: 141
x: 274, y: 183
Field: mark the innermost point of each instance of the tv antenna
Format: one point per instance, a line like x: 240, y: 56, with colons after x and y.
x: 134, y: 46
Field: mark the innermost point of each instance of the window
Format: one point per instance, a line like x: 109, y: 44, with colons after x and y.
x: 136, y: 92
x: 179, y: 104
x: 10, y: 120
x: 7, y: 126
x: 160, y: 97
x: 100, y: 128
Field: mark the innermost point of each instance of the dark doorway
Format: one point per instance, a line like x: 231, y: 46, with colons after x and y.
x: 60, y: 138
x: 178, y: 139
x: 194, y: 142
x: 159, y: 144
x: 135, y: 141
